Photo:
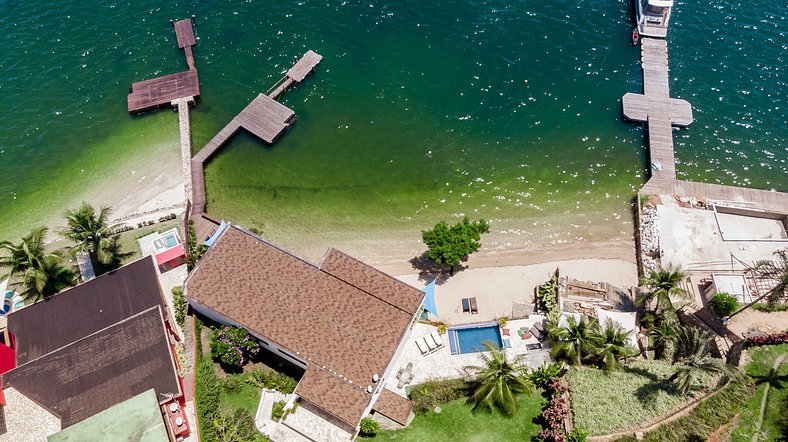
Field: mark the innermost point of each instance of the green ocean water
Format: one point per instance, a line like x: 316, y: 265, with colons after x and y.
x: 419, y: 111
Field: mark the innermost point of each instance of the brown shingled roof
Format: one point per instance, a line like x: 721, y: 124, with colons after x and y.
x: 394, y: 406
x: 345, y: 317
x: 85, y: 309
x: 101, y: 370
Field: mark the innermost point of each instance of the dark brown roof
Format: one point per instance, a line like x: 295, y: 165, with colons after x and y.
x: 345, y: 317
x: 101, y: 370
x: 343, y: 400
x: 85, y: 309
x: 394, y: 406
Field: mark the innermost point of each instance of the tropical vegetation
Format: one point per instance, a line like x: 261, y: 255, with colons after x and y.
x: 547, y: 299
x: 642, y: 391
x: 764, y: 414
x: 92, y: 233
x: 723, y: 304
x: 233, y: 346
x: 369, y: 427
x: 498, y: 382
x: 694, y: 356
x: 663, y: 283
x: 585, y: 342
x: 449, y: 245
x: 37, y: 272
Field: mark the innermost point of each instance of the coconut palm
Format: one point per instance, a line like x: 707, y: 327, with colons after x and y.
x: 693, y: 355
x: 39, y: 272
x: 576, y: 342
x: 614, y: 345
x: 663, y: 283
x: 499, y: 382
x: 776, y: 270
x: 92, y: 233
x: 663, y: 335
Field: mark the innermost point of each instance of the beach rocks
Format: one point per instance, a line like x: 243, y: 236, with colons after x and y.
x: 649, y: 238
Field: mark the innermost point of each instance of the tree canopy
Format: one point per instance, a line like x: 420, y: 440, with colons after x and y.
x: 38, y: 271
x: 448, y: 245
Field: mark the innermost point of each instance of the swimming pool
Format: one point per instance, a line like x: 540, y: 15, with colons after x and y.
x: 471, y: 338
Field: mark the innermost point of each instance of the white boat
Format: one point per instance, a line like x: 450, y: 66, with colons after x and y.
x: 652, y: 17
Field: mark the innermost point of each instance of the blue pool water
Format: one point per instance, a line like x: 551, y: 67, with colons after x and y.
x: 471, y: 340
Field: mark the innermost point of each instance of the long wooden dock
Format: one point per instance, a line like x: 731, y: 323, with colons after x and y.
x: 655, y: 107
x: 162, y: 91
x: 264, y: 117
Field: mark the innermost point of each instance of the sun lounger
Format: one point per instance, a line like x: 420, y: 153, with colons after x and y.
x: 506, y: 332
x: 436, y: 338
x: 537, y: 334
x: 428, y: 342
x: 507, y: 343
x: 540, y: 327
x: 399, y: 373
x: 474, y: 307
x: 409, y: 367
x: 423, y: 348
x: 466, y: 305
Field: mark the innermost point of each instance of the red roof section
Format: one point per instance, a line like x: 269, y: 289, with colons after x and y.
x: 170, y: 254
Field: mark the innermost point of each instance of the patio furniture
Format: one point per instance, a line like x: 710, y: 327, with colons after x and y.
x: 409, y: 367
x: 406, y: 380
x: 436, y: 338
x: 536, y: 334
x: 506, y: 332
x: 474, y: 306
x: 399, y: 373
x: 428, y: 342
x: 423, y: 348
x: 507, y: 343
x: 540, y: 327
x: 521, y: 331
x: 527, y: 335
x: 535, y: 346
x: 466, y: 305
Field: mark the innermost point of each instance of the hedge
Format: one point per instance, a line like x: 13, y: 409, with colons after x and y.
x: 429, y: 394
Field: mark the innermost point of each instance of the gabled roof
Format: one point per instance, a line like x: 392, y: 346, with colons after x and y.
x: 85, y: 309
x: 344, y: 317
x: 101, y: 369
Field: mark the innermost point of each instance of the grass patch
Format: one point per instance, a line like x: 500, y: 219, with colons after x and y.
x: 775, y: 421
x: 246, y: 397
x: 706, y: 418
x: 606, y: 402
x: 456, y: 423
x: 128, y: 239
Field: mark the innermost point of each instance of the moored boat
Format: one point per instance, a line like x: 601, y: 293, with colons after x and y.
x: 652, y: 17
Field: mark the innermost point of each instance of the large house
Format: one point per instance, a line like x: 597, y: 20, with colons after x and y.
x: 343, y: 322
x: 85, y: 350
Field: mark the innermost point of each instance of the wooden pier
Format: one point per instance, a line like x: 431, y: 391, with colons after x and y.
x: 264, y: 117
x: 162, y: 91
x: 655, y: 107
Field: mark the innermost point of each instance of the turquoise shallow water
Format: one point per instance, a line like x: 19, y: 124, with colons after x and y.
x: 419, y: 111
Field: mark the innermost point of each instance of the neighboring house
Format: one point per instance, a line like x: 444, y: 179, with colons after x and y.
x: 168, y: 250
x: 343, y: 322
x: 86, y: 349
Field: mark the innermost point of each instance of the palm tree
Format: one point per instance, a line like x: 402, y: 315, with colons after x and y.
x: 776, y: 270
x: 37, y: 270
x: 693, y: 355
x: 663, y: 335
x: 614, y: 345
x: 577, y: 341
x: 499, y: 382
x: 663, y: 283
x: 92, y: 233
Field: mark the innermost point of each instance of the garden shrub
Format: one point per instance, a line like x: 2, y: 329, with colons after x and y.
x: 233, y: 346
x: 272, y: 380
x: 772, y: 339
x: 547, y: 299
x: 179, y: 304
x: 770, y: 308
x: 429, y: 394
x: 369, y: 427
x: 207, y: 390
x: 553, y: 417
x: 706, y: 418
x: 233, y: 384
x: 278, y: 410
x: 543, y: 376
x: 196, y: 249
x: 577, y: 435
x: 724, y: 304
x: 236, y: 426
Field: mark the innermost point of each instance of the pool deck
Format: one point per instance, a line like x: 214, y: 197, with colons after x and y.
x: 441, y: 364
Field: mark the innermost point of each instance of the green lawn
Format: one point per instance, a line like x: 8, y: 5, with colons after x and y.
x: 248, y: 398
x: 605, y: 402
x: 456, y: 423
x: 775, y: 419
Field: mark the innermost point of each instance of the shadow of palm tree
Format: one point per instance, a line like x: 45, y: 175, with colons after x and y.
x: 648, y: 393
x: 428, y: 270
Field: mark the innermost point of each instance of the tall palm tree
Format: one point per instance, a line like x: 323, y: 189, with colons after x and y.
x: 663, y: 283
x: 576, y: 342
x: 35, y: 269
x: 614, y: 345
x: 499, y: 382
x: 663, y: 335
x: 92, y: 233
x: 776, y: 270
x: 693, y: 355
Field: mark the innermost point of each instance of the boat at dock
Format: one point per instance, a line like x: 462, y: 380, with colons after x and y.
x: 652, y: 17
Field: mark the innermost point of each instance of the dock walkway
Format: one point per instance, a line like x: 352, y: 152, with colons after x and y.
x: 264, y: 117
x: 162, y: 91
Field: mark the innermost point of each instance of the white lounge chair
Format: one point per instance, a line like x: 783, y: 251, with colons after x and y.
x: 423, y: 348
x: 427, y: 340
x: 436, y: 338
